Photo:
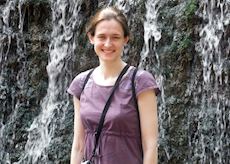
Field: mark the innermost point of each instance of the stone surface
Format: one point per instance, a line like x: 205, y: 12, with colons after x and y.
x: 24, y: 80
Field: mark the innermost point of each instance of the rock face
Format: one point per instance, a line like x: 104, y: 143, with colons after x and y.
x: 185, y: 44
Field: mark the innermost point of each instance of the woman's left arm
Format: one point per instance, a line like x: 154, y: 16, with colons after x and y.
x: 147, y: 103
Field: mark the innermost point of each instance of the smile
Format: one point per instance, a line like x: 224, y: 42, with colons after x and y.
x: 108, y: 51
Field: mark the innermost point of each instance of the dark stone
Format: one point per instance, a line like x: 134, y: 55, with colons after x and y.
x: 2, y: 2
x: 24, y: 78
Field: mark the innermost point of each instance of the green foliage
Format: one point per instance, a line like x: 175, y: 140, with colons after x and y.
x: 190, y: 9
x: 186, y: 26
x: 182, y: 44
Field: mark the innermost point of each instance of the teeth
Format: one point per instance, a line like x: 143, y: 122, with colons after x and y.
x: 108, y: 51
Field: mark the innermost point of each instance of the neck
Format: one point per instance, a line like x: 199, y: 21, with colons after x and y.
x: 110, y: 70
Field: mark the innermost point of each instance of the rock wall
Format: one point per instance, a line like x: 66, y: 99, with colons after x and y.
x: 25, y: 37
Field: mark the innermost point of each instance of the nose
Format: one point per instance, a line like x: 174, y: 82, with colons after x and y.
x: 108, y: 42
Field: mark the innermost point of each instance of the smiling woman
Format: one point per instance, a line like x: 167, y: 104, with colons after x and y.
x: 108, y: 40
x: 128, y: 131
x: 108, y: 32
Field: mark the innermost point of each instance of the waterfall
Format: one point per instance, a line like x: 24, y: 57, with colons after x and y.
x: 151, y: 62
x: 124, y: 5
x: 55, y: 103
x: 11, y: 36
x: 210, y: 115
x: 194, y: 116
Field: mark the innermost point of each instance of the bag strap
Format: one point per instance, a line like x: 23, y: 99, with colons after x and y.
x: 134, y: 89
x: 133, y: 86
x: 134, y: 95
x: 86, y: 79
x: 102, y: 118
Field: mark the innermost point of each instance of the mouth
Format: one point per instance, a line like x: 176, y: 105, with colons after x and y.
x: 108, y: 51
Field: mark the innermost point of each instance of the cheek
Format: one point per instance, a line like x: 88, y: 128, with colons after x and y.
x: 121, y: 45
x: 97, y: 48
x: 98, y: 44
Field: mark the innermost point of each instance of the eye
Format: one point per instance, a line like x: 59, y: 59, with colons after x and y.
x: 101, y: 37
x: 116, y: 37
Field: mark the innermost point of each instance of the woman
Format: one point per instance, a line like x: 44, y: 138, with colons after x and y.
x: 125, y: 137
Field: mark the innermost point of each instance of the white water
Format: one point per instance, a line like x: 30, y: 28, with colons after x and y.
x: 55, y: 103
x: 210, y: 98
x: 9, y: 33
x: 150, y: 61
x: 124, y: 5
x: 210, y: 142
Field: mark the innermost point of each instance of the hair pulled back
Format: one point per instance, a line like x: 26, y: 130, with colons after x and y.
x: 108, y: 13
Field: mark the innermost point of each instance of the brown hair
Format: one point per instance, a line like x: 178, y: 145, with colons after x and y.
x: 108, y: 13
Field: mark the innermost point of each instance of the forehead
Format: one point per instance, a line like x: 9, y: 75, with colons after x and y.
x: 109, y: 26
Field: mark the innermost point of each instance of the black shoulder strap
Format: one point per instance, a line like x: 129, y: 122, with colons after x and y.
x: 134, y: 95
x: 102, y: 118
x: 134, y: 89
x: 86, y: 79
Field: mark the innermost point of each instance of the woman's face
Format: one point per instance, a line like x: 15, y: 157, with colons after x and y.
x: 108, y: 40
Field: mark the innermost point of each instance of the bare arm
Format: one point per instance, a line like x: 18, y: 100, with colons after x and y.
x: 78, y: 139
x: 149, y: 125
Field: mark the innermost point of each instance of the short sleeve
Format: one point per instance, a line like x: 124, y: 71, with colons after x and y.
x: 76, y: 85
x: 145, y: 81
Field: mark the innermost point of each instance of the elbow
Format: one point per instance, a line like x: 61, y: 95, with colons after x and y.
x: 150, y: 153
x: 150, y: 146
x: 78, y: 147
x: 77, y: 152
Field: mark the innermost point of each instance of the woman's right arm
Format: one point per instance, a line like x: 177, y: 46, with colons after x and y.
x: 79, y: 135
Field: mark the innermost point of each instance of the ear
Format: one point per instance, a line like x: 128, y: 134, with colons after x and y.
x: 91, y: 38
x: 126, y: 39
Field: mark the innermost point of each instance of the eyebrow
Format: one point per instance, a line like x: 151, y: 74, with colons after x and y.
x: 116, y: 34
x: 102, y: 34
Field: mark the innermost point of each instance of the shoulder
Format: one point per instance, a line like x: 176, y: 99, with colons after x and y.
x: 77, y: 83
x: 143, y: 74
x: 144, y: 80
x: 82, y: 75
x: 140, y: 73
x: 80, y: 78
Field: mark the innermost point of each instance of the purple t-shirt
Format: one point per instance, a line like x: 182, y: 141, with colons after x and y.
x: 120, y: 141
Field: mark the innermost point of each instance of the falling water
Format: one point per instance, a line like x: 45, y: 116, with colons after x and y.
x: 209, y: 119
x: 124, y: 5
x: 208, y: 113
x: 150, y: 61
x: 42, y: 130
x: 11, y: 36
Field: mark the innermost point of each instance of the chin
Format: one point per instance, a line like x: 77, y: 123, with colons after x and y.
x: 108, y: 59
